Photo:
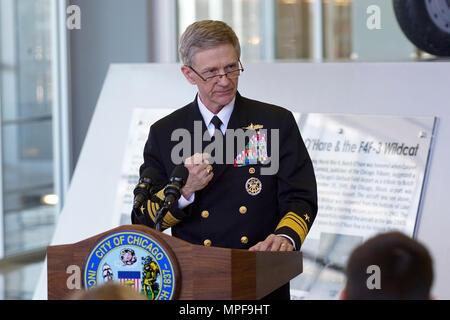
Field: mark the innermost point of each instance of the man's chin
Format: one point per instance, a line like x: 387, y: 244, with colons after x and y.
x: 224, y: 99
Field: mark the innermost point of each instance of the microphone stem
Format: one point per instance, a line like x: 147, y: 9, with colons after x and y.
x: 160, y: 216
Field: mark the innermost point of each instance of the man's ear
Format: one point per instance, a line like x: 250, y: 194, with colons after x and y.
x: 188, y: 74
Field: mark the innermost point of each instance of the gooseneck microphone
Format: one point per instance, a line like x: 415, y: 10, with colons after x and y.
x: 172, y: 192
x: 144, y: 189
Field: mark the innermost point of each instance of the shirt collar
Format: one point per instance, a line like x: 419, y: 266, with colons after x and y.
x: 224, y: 114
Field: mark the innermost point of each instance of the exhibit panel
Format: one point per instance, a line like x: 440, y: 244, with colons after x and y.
x: 370, y: 173
x: 141, y: 120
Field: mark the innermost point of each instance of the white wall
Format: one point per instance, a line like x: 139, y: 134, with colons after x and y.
x: 112, y: 31
x: 409, y: 89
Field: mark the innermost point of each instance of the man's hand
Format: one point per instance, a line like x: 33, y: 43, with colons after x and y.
x: 200, y: 173
x: 273, y: 243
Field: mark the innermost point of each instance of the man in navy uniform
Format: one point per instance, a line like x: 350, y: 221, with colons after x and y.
x: 232, y: 205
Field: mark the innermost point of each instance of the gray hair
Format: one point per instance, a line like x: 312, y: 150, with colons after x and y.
x: 206, y: 34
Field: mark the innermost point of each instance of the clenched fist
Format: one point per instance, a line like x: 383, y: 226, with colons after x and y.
x: 200, y: 173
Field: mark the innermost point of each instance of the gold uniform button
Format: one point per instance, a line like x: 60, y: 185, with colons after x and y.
x: 243, y: 210
x: 205, y: 214
x: 244, y: 240
x: 251, y: 170
x: 207, y: 243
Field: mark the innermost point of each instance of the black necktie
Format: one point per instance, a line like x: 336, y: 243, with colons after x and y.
x: 217, y: 123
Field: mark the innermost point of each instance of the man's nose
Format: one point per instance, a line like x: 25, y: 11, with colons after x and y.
x: 223, y: 79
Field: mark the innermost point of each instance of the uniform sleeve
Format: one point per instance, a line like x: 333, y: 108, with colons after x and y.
x: 146, y: 214
x: 297, y: 190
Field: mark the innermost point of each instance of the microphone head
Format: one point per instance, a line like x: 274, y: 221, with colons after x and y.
x: 149, y: 173
x: 180, y: 173
x: 150, y: 179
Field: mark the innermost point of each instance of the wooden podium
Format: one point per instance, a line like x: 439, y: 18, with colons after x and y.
x: 202, y: 273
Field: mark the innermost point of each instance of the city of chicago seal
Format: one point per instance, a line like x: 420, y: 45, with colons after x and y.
x: 133, y: 259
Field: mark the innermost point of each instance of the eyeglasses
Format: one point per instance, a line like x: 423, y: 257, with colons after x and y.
x: 210, y: 76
